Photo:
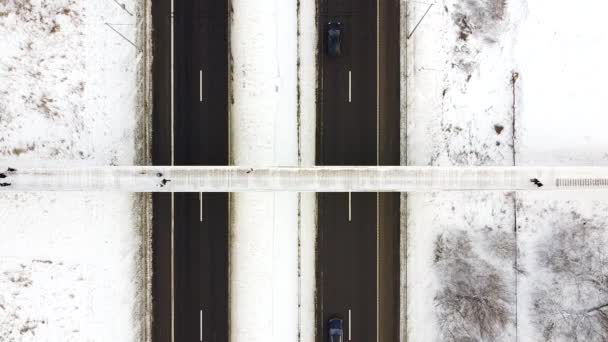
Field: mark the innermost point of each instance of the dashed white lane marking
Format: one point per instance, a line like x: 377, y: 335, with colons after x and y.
x: 201, y: 326
x: 349, y: 86
x: 200, y: 203
x: 349, y: 324
x: 200, y: 85
x: 349, y: 207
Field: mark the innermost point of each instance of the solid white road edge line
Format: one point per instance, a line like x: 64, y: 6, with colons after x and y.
x: 377, y: 163
x: 172, y: 267
x: 377, y: 82
x: 378, y: 266
x: 172, y: 96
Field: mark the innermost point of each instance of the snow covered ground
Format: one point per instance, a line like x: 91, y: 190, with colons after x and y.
x: 461, y: 251
x: 264, y: 227
x: 460, y: 246
x: 563, y: 267
x: 71, y: 93
x: 560, y: 98
x: 562, y: 238
x: 494, y: 82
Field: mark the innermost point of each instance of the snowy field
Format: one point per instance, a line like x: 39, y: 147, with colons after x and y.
x: 72, y: 265
x: 494, y: 82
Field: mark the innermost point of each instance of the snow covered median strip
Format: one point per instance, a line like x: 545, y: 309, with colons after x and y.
x: 325, y: 178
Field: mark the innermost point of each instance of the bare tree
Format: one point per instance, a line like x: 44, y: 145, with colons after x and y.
x: 572, y: 304
x: 474, y: 303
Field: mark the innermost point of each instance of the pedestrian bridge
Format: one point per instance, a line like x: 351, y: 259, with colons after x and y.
x: 306, y: 179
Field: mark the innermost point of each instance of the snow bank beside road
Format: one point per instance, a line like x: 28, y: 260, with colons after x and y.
x: 307, y: 123
x: 70, y: 264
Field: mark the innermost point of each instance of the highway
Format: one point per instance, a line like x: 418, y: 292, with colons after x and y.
x: 190, y: 125
x: 358, y: 124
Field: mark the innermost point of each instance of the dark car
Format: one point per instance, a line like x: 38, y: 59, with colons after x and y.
x: 335, y: 329
x: 334, y: 38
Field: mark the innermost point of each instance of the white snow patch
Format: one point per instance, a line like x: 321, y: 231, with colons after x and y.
x: 76, y: 254
x: 561, y: 99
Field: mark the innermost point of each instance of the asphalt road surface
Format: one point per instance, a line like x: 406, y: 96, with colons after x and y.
x: 161, y: 155
x: 358, y: 124
x: 358, y: 258
x: 190, y: 266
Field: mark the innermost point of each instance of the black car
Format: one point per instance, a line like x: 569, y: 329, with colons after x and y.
x: 334, y: 38
x: 335, y: 329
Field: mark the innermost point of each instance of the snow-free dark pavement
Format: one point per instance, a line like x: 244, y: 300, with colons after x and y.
x: 358, y: 264
x: 200, y: 138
